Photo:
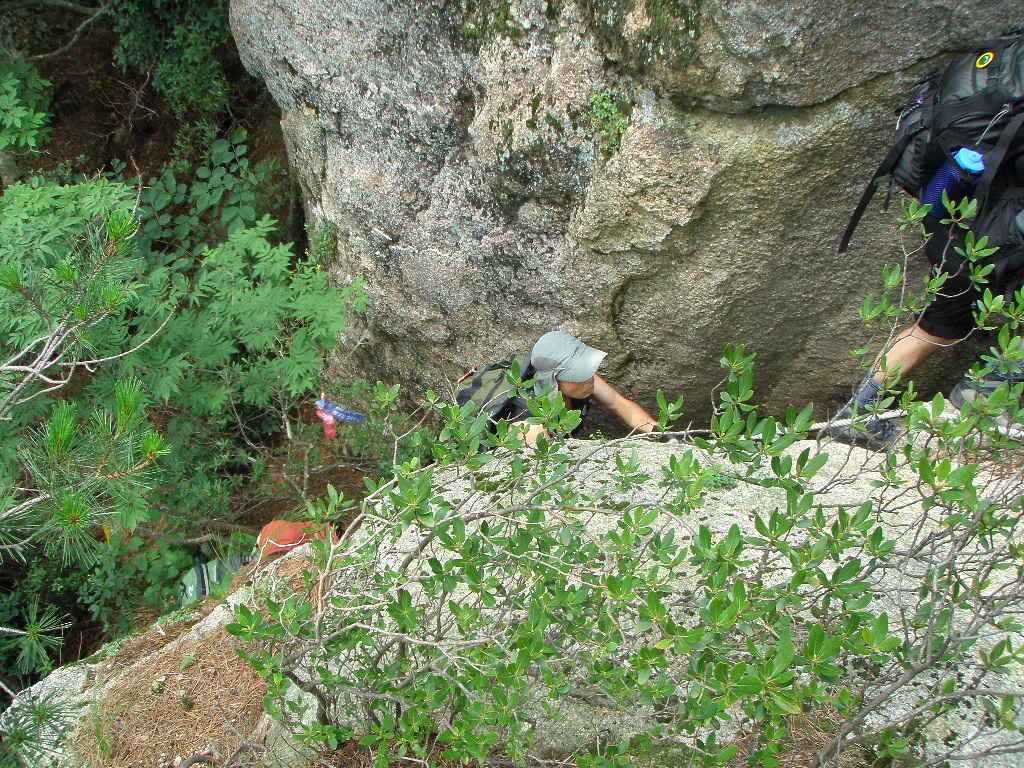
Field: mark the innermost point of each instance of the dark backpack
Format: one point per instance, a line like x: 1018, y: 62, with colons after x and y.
x: 488, y: 386
x: 977, y: 101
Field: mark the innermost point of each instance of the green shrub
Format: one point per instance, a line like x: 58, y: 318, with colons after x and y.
x: 133, y: 567
x: 68, y: 275
x: 24, y: 101
x: 191, y: 315
x: 192, y: 145
x: 178, y: 42
x: 56, y: 259
x: 248, y: 323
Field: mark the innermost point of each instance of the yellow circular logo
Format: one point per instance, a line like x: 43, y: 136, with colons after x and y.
x: 985, y: 59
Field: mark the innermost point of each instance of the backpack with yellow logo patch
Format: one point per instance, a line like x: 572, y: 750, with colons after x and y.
x: 963, y: 133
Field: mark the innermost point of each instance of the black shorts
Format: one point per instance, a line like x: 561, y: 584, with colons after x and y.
x: 951, y: 314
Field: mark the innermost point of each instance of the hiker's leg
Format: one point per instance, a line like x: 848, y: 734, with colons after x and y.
x: 949, y: 317
x: 912, y: 346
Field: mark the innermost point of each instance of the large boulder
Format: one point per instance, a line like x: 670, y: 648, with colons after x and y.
x: 734, y: 56
x: 456, y: 152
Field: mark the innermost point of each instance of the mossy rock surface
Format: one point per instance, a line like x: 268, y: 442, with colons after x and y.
x: 641, y: 33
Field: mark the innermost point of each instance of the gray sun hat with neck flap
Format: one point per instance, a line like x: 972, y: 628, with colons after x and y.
x: 559, y: 356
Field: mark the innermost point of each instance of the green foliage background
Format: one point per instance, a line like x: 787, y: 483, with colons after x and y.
x: 24, y: 101
x: 228, y: 329
x: 178, y: 42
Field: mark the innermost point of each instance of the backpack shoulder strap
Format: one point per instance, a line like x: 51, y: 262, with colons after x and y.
x: 994, y: 159
x: 883, y: 171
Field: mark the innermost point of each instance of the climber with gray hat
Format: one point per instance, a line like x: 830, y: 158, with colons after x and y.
x: 560, y: 365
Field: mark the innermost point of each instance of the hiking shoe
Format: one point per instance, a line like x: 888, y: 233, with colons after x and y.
x: 853, y: 426
x: 876, y: 434
x: 967, y: 391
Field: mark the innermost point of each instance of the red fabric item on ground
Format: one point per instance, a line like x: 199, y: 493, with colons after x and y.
x: 279, y: 536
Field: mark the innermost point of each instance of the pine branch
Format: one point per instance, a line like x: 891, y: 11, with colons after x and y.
x: 25, y: 505
x: 137, y: 468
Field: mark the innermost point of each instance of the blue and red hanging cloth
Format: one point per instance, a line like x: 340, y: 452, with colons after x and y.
x: 331, y: 413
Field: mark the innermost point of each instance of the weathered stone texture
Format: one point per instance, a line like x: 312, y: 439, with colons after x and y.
x: 467, y: 187
x: 736, y: 55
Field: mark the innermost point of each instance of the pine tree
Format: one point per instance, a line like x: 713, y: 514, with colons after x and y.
x: 67, y: 274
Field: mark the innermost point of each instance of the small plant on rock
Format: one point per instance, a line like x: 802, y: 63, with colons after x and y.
x: 608, y: 119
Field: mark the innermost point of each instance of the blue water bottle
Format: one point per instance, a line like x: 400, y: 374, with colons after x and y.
x: 950, y: 178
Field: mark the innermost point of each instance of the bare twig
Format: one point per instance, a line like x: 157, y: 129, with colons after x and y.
x: 127, y: 352
x: 77, y: 34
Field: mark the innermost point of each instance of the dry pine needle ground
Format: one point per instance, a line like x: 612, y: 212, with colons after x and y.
x: 180, y: 701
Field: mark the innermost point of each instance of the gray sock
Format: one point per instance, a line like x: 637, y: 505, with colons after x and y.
x: 870, y: 391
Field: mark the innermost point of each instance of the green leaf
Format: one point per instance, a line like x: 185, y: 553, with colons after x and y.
x: 848, y: 571
x: 785, y: 704
x: 726, y: 754
x: 782, y: 658
x: 814, y: 464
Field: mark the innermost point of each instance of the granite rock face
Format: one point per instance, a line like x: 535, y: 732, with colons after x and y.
x: 452, y: 148
x: 733, y: 56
